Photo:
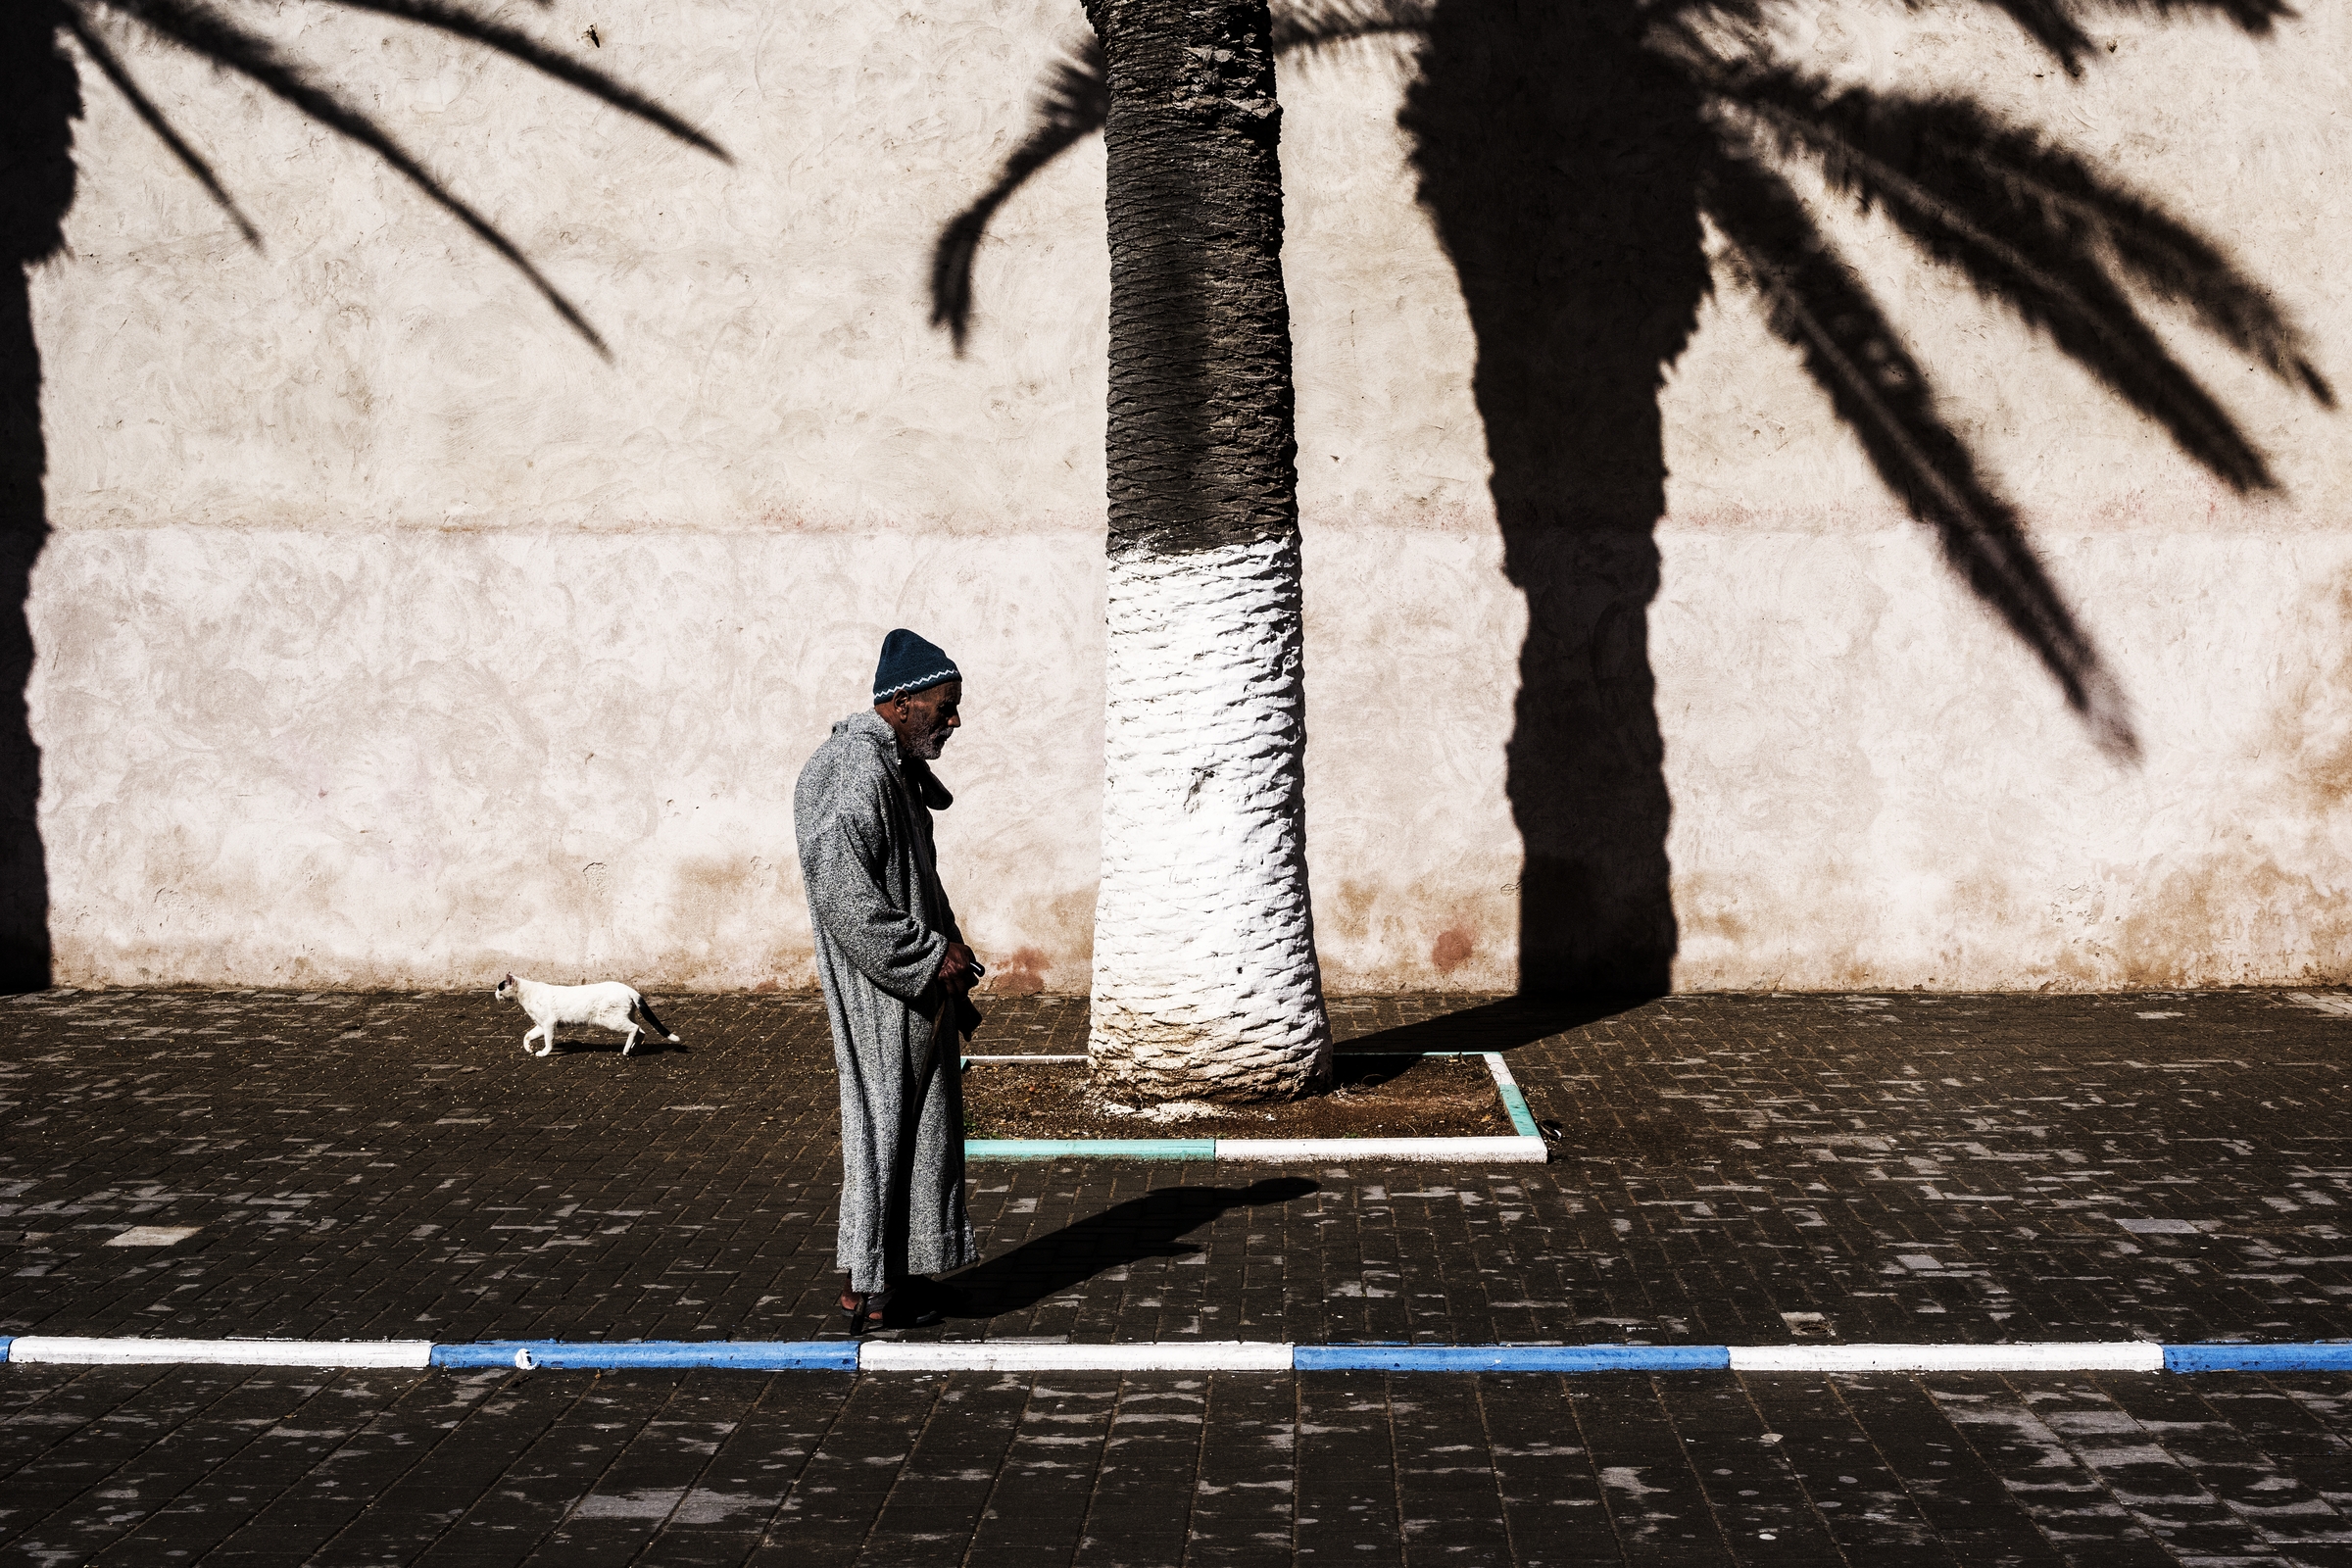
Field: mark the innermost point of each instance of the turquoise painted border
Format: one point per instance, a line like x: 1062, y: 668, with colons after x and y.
x: 1089, y: 1149
x: 1516, y: 1104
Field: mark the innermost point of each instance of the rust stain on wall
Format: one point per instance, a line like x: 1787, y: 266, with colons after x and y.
x: 2234, y: 919
x: 1372, y: 938
x: 2312, y: 730
x: 1708, y: 907
x: 1019, y: 973
x: 1038, y: 945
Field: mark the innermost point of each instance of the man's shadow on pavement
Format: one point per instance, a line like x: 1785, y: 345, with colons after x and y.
x: 1125, y: 1233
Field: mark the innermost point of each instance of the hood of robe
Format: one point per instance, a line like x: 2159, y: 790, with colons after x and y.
x: 867, y: 726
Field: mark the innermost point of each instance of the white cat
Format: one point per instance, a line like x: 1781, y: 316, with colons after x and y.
x: 606, y: 1005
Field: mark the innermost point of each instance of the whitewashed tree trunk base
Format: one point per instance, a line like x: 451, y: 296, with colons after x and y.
x: 1206, y: 984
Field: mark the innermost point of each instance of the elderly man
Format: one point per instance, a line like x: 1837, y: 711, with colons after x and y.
x: 894, y: 971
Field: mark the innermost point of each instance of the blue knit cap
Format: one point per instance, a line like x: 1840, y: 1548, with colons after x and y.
x: 910, y: 664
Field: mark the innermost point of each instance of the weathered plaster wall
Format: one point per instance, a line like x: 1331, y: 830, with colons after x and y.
x: 391, y: 636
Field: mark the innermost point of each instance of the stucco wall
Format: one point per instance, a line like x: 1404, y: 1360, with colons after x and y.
x: 389, y: 635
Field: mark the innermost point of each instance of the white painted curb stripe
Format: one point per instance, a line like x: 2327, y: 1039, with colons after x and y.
x: 1493, y: 1151
x: 2112, y: 1355
x: 997, y: 1355
x: 64, y: 1350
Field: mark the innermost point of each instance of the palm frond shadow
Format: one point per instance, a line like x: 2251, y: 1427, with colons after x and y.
x: 41, y: 101
x: 2058, y: 25
x: 1572, y: 157
x: 1816, y: 303
x: 205, y: 32
x: 1070, y: 107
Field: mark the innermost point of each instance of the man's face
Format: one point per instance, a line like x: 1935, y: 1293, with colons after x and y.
x: 924, y: 720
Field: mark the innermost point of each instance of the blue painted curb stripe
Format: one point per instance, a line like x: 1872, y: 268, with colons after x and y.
x: 1511, y: 1357
x: 756, y: 1355
x: 1089, y: 1149
x: 2258, y: 1359
x: 4, y: 1345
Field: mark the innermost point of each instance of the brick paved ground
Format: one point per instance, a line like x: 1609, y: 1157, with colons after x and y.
x: 145, y: 1466
x: 1910, y: 1168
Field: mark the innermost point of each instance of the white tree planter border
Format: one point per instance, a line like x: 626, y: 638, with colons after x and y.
x: 1525, y: 1147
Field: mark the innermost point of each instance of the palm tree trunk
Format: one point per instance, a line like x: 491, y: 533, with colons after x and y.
x: 1204, y: 983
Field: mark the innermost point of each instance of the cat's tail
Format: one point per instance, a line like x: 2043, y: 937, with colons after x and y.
x: 647, y: 1008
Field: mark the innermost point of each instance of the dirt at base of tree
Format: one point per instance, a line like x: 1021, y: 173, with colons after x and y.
x: 1375, y: 1096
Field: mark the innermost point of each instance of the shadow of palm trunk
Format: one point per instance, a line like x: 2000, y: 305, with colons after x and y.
x: 24, y: 527
x: 40, y: 97
x: 1561, y: 165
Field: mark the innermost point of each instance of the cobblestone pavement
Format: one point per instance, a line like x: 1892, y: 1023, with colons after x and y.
x: 149, y: 1466
x: 1911, y: 1168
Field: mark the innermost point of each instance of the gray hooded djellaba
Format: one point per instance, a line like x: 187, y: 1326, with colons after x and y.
x: 862, y: 817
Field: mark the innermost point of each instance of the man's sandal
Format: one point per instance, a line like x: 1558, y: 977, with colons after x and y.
x: 879, y: 1309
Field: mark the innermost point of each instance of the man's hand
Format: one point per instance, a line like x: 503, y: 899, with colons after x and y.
x: 955, y: 966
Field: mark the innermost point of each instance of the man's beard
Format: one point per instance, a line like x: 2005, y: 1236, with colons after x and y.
x: 928, y: 746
